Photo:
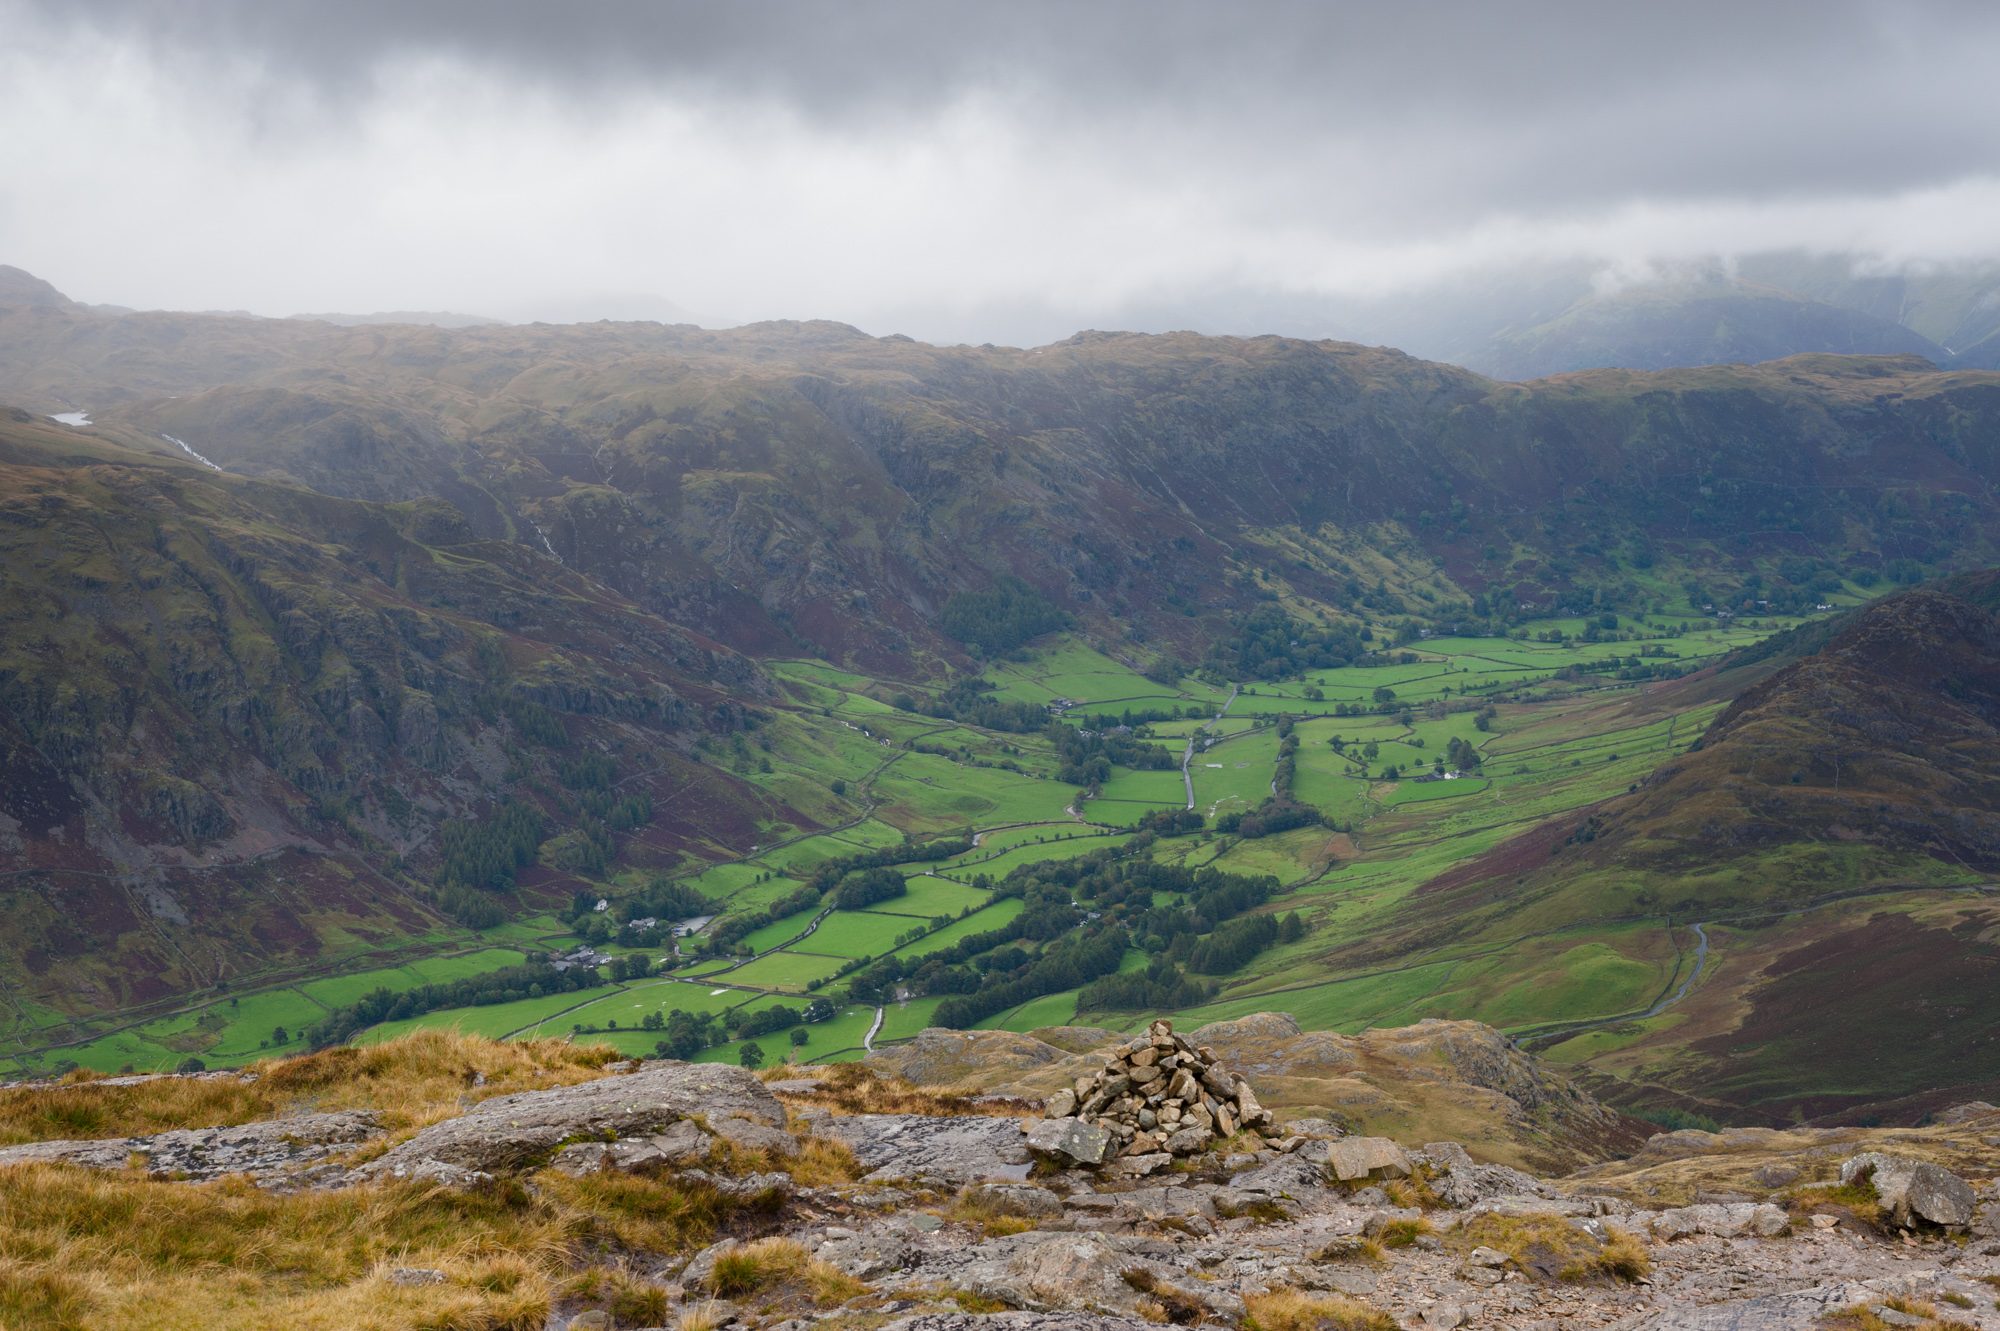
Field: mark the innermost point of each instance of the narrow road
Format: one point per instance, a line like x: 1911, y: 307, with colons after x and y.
x: 1700, y: 960
x: 1187, y: 758
x: 1560, y: 1033
x: 868, y: 1040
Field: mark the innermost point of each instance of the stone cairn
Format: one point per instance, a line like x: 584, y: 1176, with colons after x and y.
x: 1157, y: 1096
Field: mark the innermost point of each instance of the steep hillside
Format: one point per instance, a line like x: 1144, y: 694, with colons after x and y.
x: 19, y: 287
x: 1886, y: 736
x: 1834, y: 834
x: 806, y: 488
x: 238, y: 719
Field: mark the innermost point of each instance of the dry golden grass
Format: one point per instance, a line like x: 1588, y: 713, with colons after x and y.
x: 1862, y: 1317
x: 1295, y: 1310
x: 777, y: 1266
x: 822, y: 1162
x: 87, y: 1249
x: 1550, y: 1246
x: 704, y: 1316
x: 1403, y: 1233
x: 419, y: 1079
x: 630, y: 1299
x: 850, y: 1088
x: 1351, y: 1248
x: 1416, y: 1190
x: 818, y: 1162
x: 975, y: 1207
x: 993, y: 1224
x: 1857, y: 1200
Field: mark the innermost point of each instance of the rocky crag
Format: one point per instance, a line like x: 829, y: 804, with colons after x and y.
x: 949, y: 1212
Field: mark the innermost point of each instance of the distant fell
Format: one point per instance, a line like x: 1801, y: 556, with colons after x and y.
x: 20, y: 287
x: 423, y: 318
x: 1705, y: 323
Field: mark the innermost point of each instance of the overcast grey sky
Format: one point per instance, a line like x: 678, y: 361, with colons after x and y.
x: 965, y: 171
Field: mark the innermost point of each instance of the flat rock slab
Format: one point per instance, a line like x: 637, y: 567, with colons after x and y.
x: 949, y: 1148
x: 1061, y: 1320
x: 1287, y: 1176
x: 517, y: 1132
x: 1353, y: 1158
x: 1059, y: 1271
x: 1721, y: 1219
x: 264, y: 1150
x: 1797, y: 1310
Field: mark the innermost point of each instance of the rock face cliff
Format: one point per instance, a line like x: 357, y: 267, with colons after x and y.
x: 660, y: 1193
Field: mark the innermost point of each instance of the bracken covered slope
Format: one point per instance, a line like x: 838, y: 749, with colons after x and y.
x: 229, y: 709
x: 1834, y: 833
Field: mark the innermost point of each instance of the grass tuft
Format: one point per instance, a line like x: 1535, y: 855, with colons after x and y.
x: 1295, y: 1310
x: 1403, y: 1233
x: 1864, y: 1317
x: 1550, y: 1247
x: 708, y: 1315
x: 766, y: 1265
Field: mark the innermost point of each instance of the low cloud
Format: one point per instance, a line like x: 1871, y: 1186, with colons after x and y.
x: 964, y: 171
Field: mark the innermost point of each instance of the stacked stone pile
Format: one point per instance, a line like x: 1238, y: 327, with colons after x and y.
x: 1158, y: 1095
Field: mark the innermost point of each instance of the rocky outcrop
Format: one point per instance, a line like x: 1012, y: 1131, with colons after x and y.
x: 1074, y: 1141
x: 518, y: 1132
x: 1913, y: 1192
x: 1428, y: 1238
x: 683, y: 1144
x: 270, y: 1151
x: 1726, y: 1220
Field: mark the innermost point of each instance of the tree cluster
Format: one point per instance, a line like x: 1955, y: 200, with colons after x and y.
x: 485, y: 854
x: 1274, y: 815
x: 1267, y: 643
x: 1087, y: 757
x: 1001, y: 619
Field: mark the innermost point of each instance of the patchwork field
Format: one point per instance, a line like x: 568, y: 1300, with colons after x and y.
x: 874, y: 776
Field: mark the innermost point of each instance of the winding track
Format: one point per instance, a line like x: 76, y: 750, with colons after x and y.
x: 1187, y: 757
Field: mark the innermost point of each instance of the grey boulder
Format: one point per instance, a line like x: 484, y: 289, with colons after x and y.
x: 1913, y: 1191
x: 1353, y: 1158
x: 518, y: 1132
x: 1070, y: 1140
